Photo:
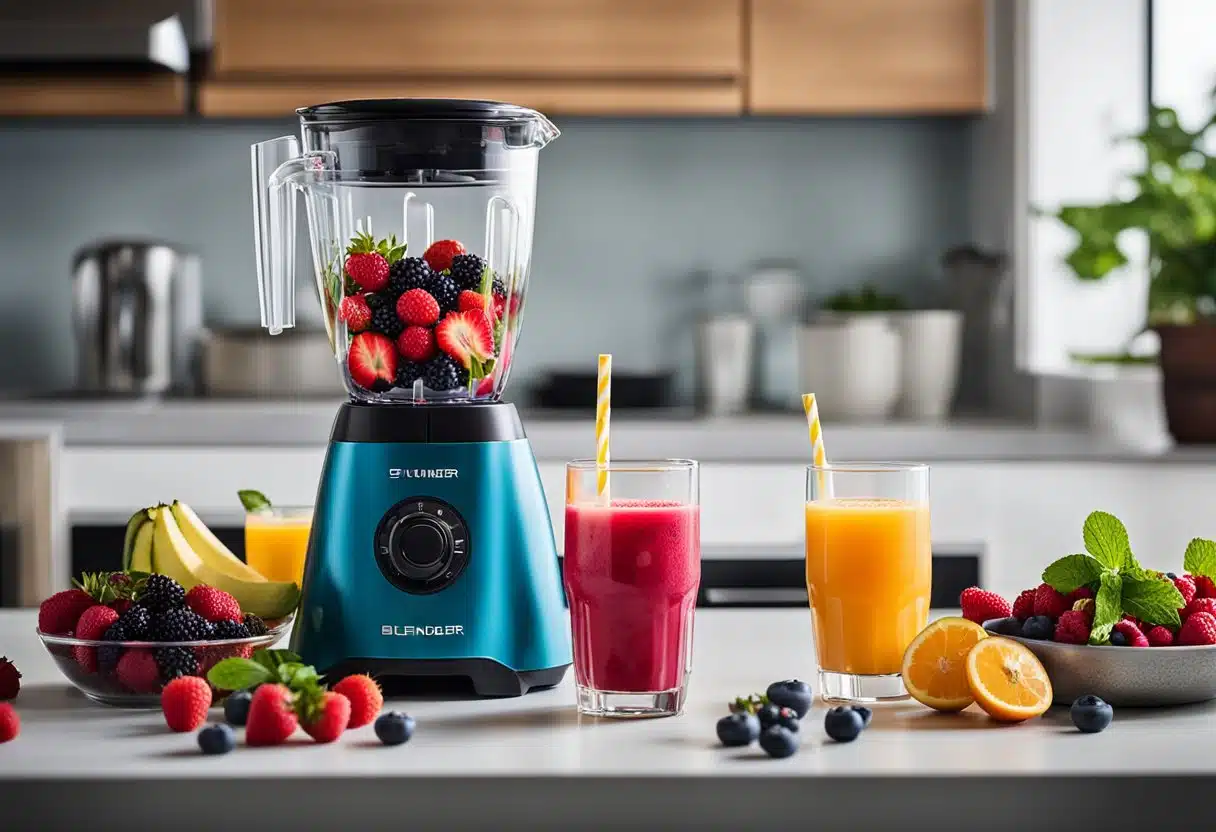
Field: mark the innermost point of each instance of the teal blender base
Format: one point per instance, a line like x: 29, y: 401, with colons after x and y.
x: 432, y: 553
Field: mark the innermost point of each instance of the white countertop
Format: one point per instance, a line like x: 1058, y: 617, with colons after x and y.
x: 66, y: 739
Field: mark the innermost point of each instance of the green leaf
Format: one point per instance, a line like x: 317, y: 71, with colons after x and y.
x: 1153, y: 600
x: 1106, y: 539
x: 1108, y: 607
x: 238, y: 674
x: 287, y: 671
x: 255, y: 502
x: 1071, y: 572
x: 305, y: 675
x: 1200, y: 558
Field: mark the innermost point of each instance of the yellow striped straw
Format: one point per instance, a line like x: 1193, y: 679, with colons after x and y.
x: 819, y: 455
x: 603, y: 415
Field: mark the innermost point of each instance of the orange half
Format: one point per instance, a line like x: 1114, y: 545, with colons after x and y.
x: 1007, y: 680
x: 935, y: 663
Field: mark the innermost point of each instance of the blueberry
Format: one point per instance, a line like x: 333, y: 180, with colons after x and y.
x: 1038, y: 627
x: 1171, y: 576
x: 1117, y: 639
x: 843, y: 724
x: 779, y: 741
x: 788, y: 718
x: 866, y: 715
x: 1090, y: 714
x: 236, y: 707
x: 394, y: 727
x: 216, y: 739
x: 738, y: 729
x: 792, y: 693
x: 1004, y: 626
x: 768, y: 715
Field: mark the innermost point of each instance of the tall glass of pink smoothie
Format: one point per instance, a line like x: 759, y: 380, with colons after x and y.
x: 632, y: 570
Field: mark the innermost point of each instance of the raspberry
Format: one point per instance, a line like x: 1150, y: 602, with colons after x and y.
x: 418, y: 307
x: 1078, y: 594
x: 1199, y: 629
x: 1204, y: 587
x: 1050, y: 603
x: 1023, y: 607
x: 417, y: 343
x: 184, y: 702
x: 1207, y: 605
x: 1186, y: 586
x: 1160, y: 636
x: 1135, y: 638
x: 979, y: 605
x: 1073, y: 627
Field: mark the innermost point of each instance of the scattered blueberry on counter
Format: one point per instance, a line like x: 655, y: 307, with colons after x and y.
x: 792, y: 693
x: 216, y: 739
x: 779, y: 742
x: 394, y: 727
x: 866, y: 715
x: 843, y: 724
x: 236, y: 707
x: 1090, y: 714
x: 738, y: 729
x: 768, y: 714
x: 787, y: 718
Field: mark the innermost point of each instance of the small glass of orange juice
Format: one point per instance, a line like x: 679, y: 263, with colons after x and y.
x: 868, y: 574
x: 276, y: 541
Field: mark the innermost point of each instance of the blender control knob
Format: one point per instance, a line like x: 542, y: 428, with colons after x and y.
x: 421, y: 546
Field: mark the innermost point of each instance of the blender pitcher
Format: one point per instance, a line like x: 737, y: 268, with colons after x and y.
x: 419, y: 218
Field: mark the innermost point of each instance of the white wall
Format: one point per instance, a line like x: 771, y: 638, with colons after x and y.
x: 1184, y: 58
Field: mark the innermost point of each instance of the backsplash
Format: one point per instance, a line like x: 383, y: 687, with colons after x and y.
x: 628, y: 211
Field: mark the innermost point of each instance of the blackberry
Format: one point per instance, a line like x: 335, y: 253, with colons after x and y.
x: 445, y: 373
x: 175, y: 661
x: 135, y: 622
x: 162, y: 593
x: 230, y: 629
x: 444, y: 289
x: 408, y: 273
x: 180, y: 625
x: 498, y: 287
x: 386, y: 322
x: 408, y: 372
x: 255, y: 625
x: 107, y: 657
x: 466, y: 271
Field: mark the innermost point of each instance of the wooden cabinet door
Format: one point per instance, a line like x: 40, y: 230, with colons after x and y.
x: 563, y: 39
x: 92, y: 95
x: 867, y: 56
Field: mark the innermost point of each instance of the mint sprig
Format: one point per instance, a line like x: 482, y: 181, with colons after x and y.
x: 1200, y: 558
x: 1106, y: 539
x: 1108, y: 607
x: 266, y: 666
x: 1153, y: 600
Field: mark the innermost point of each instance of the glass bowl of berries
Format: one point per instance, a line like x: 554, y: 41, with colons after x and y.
x: 122, y: 647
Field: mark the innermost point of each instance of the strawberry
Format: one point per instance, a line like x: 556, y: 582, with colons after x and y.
x: 271, y: 717
x: 1207, y: 605
x: 366, y: 698
x: 1186, y: 587
x: 1204, y: 587
x: 92, y: 626
x: 1160, y: 636
x: 368, y: 261
x: 137, y: 671
x: 1050, y: 603
x: 979, y: 605
x: 1199, y: 629
x: 10, y: 723
x: 372, y: 361
x: 184, y: 702
x: 467, y: 337
x: 355, y: 313
x: 440, y: 253
x: 416, y: 343
x: 58, y: 614
x: 214, y: 604
x: 324, y: 715
x: 10, y: 679
x: 418, y: 307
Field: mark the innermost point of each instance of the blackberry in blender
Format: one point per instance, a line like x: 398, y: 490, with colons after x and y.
x: 445, y: 373
x: 408, y: 372
x: 385, y: 320
x: 466, y: 271
x: 408, y: 273
x: 444, y: 290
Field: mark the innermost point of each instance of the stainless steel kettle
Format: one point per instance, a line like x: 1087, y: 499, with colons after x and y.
x: 137, y: 308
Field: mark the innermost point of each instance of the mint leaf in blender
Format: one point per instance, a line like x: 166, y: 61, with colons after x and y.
x: 1108, y: 607
x: 1200, y: 558
x: 1072, y: 572
x: 255, y: 502
x: 1106, y: 539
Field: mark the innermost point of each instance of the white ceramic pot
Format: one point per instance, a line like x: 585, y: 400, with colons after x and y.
x: 931, y: 342
x: 852, y: 367
x: 1125, y: 405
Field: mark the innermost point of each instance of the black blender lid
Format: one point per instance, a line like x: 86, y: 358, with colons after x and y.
x: 419, y: 109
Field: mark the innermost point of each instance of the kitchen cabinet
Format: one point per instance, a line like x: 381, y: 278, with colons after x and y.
x: 94, y: 95
x: 564, y: 56
x: 827, y: 57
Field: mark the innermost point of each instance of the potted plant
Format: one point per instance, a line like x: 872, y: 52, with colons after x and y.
x: 1174, y: 204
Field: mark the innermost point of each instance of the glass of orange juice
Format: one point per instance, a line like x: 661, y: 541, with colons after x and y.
x: 868, y: 574
x: 276, y: 541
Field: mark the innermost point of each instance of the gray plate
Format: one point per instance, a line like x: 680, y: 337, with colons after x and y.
x: 1127, y: 676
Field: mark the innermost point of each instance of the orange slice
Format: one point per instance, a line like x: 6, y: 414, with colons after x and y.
x: 935, y: 663
x: 1007, y: 680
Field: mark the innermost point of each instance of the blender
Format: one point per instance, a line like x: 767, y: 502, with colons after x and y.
x: 431, y: 552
